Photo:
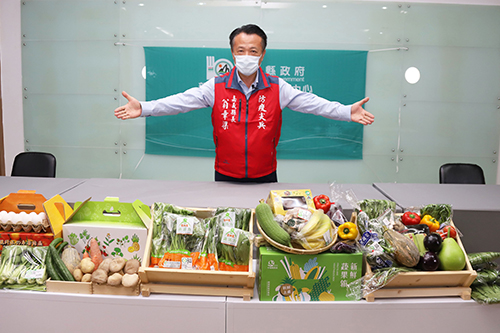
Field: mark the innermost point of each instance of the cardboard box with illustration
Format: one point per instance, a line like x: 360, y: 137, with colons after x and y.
x: 285, y: 277
x: 119, y: 228
x: 283, y: 200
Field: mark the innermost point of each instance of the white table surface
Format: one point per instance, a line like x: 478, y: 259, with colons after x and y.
x: 461, y: 197
x: 48, y: 187
x: 199, y: 194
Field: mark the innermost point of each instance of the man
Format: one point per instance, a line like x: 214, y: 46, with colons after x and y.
x: 246, y: 106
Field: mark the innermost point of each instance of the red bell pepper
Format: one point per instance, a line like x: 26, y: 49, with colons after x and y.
x: 410, y: 218
x: 322, y: 201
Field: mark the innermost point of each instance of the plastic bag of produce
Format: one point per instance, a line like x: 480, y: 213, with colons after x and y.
x: 23, y: 267
x: 185, y: 235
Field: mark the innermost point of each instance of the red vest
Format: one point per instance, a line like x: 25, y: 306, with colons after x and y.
x: 246, y: 132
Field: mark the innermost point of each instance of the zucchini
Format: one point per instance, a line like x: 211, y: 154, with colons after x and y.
x: 59, y: 265
x: 51, y: 271
x: 272, y: 229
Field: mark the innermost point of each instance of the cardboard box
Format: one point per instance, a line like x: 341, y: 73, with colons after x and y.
x: 119, y: 228
x: 25, y: 238
x: 285, y: 277
x: 283, y: 200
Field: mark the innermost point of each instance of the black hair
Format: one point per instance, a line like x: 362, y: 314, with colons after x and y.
x: 249, y: 29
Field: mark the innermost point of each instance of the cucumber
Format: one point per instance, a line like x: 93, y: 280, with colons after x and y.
x: 51, y: 271
x: 270, y: 227
x: 55, y: 242
x: 59, y: 265
x: 60, y: 248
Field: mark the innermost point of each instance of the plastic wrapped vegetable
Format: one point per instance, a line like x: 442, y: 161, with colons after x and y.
x: 23, y: 267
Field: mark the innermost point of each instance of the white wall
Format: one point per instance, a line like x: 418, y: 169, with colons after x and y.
x: 12, y: 97
x: 11, y: 71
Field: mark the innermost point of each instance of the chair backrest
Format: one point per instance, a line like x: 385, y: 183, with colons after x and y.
x: 461, y: 173
x: 34, y: 164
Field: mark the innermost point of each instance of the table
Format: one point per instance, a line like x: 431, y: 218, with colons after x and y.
x: 183, y: 313
x: 48, y: 187
x: 27, y: 311
x: 201, y: 194
x: 476, y: 208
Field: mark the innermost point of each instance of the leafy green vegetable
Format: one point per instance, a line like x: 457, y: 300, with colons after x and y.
x: 441, y: 212
x: 376, y: 207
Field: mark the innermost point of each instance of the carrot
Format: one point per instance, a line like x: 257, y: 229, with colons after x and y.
x: 95, y: 253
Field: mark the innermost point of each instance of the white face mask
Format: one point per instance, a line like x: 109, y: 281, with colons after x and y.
x: 246, y: 64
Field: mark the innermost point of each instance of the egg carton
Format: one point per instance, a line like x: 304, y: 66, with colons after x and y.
x: 27, y: 222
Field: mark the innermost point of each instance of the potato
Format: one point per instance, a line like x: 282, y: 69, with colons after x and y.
x: 99, y: 276
x: 87, y: 266
x: 116, y: 264
x: 132, y: 266
x: 104, y: 265
x: 77, y: 274
x: 87, y: 278
x: 115, y: 279
x: 130, y: 280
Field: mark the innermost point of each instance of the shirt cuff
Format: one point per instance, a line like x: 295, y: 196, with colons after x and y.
x: 147, y: 109
x: 345, y: 112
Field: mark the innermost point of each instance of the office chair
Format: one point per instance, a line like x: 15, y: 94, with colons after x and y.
x: 34, y: 164
x: 461, y: 173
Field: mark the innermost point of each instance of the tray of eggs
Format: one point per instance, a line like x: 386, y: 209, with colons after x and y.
x: 24, y: 221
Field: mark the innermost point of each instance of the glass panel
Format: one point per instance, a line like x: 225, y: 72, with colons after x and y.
x: 181, y: 21
x: 453, y: 74
x: 83, y: 162
x: 418, y: 169
x: 71, y: 120
x: 445, y: 25
x: 73, y: 74
x: 83, y: 67
x: 69, y: 20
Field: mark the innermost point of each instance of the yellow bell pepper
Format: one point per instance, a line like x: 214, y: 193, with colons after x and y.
x: 348, y: 230
x: 431, y: 222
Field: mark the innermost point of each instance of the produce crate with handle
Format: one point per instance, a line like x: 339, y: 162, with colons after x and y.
x: 196, y: 282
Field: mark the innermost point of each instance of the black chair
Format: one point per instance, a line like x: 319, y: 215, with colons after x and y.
x: 34, y: 164
x: 461, y: 173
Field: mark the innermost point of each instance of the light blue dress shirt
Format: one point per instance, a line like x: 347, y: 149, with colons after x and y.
x: 204, y: 96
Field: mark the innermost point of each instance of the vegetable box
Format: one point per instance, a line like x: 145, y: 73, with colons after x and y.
x: 283, y: 200
x: 427, y: 283
x: 196, y: 281
x: 119, y: 228
x: 285, y: 277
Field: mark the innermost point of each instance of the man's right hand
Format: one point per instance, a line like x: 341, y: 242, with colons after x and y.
x: 130, y: 110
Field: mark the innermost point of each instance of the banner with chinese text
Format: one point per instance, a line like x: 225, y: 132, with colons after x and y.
x: 335, y: 75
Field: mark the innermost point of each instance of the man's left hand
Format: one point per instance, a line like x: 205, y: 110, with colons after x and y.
x: 360, y: 115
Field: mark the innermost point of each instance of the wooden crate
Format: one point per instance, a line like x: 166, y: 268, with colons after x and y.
x: 68, y: 287
x: 427, y: 284
x: 196, y: 282
x: 104, y: 289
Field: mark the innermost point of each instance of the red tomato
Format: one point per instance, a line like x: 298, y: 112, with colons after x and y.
x: 444, y: 232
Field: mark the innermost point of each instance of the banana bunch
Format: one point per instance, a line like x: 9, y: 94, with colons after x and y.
x: 317, y: 232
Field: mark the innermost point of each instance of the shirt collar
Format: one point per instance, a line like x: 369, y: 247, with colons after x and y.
x: 243, y: 85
